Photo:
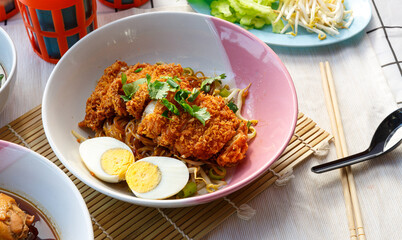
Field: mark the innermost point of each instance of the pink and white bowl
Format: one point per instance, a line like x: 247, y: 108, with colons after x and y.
x: 193, y: 40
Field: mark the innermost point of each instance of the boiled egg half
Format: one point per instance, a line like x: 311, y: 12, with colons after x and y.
x: 107, y: 158
x: 157, y: 177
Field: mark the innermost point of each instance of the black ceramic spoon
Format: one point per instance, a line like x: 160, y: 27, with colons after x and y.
x: 379, y: 145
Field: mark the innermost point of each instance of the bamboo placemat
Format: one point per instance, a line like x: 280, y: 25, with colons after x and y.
x: 114, y: 219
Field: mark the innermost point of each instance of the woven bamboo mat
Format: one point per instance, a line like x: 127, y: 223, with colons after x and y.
x: 114, y: 219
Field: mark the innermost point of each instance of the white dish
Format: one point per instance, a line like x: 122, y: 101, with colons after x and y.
x: 35, y: 178
x: 8, y: 60
x: 361, y: 12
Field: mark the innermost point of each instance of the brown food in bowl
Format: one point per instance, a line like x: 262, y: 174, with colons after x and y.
x: 14, y: 223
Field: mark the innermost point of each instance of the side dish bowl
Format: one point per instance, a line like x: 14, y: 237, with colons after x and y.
x: 25, y: 173
x: 8, y: 61
x: 193, y: 40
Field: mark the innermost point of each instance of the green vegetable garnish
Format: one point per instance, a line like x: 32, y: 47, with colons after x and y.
x: 158, y: 90
x: 205, y: 85
x: 188, y: 71
x: 217, y: 174
x: 172, y: 83
x: 181, y: 95
x: 188, y: 190
x: 232, y: 107
x: 248, y: 124
x: 194, y: 95
x: 138, y: 70
x: 170, y: 106
x: 201, y: 114
x: 1, y: 76
x: 130, y: 88
x: 195, y: 111
x: 224, y: 92
x: 249, y: 13
x: 166, y: 114
x: 123, y: 78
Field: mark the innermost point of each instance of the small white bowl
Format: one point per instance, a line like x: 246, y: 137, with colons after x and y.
x: 8, y: 59
x: 38, y: 180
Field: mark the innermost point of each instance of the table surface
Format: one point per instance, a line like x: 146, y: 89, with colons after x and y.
x: 368, y: 79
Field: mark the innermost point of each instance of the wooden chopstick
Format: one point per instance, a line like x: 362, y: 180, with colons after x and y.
x: 355, y: 221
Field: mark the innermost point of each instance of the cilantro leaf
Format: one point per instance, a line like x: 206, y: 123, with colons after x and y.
x: 138, y: 70
x: 232, y: 107
x: 158, y: 90
x: 195, y: 111
x: 130, y: 88
x: 205, y: 85
x: 201, y: 114
x: 194, y: 95
x: 170, y: 106
x: 125, y: 98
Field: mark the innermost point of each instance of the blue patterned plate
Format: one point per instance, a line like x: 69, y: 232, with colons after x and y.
x: 361, y: 12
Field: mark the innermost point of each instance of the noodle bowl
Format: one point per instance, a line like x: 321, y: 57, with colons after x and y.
x: 176, y: 105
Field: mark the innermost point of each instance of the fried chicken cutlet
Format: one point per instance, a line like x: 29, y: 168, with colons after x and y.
x: 223, y: 139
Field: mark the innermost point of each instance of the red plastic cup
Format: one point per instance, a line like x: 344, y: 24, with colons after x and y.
x: 8, y: 8
x: 54, y: 26
x: 123, y: 4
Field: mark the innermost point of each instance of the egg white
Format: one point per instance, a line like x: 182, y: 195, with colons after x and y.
x: 91, y: 151
x: 174, y: 177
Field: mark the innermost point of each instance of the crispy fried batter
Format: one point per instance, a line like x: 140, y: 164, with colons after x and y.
x: 99, y: 106
x: 187, y: 137
x: 152, y: 124
x: 235, y: 149
x: 201, y: 142
x: 141, y: 98
x: 223, y: 138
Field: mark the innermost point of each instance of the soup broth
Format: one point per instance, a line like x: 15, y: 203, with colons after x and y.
x: 41, y: 227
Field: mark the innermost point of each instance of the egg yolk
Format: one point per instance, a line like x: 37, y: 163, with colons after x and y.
x: 116, y: 161
x: 142, y: 177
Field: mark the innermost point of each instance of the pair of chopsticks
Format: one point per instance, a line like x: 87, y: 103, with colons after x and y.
x: 355, y: 221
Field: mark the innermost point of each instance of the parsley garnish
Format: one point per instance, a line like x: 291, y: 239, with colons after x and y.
x: 138, y: 70
x: 130, y: 88
x: 206, y: 84
x: 232, y: 107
